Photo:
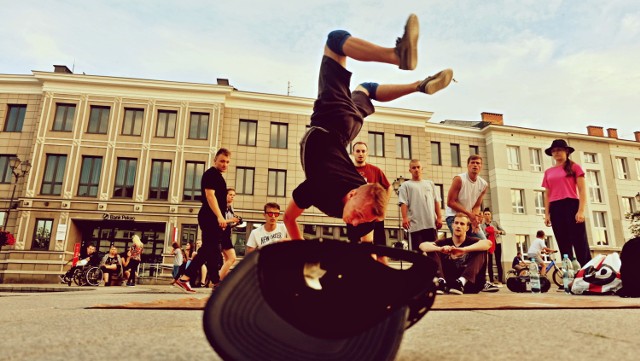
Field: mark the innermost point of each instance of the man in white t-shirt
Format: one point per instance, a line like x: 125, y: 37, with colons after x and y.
x: 270, y: 231
x: 537, y: 248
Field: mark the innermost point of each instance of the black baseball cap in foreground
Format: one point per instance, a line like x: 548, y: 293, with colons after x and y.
x: 318, y: 300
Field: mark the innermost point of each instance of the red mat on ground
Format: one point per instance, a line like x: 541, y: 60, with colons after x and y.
x: 503, y: 300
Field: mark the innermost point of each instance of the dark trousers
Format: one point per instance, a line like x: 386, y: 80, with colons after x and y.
x: 209, y: 253
x: 498, y: 254
x: 470, y: 266
x: 133, y: 268
x: 423, y: 235
x: 570, y: 236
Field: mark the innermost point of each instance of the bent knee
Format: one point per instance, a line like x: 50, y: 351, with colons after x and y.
x: 336, y: 40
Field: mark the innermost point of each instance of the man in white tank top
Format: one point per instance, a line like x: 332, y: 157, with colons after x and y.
x: 466, y: 194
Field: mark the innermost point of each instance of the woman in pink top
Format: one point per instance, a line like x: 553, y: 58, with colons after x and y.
x: 564, y: 202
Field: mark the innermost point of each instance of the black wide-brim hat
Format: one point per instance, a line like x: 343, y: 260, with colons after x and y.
x: 318, y: 300
x: 559, y: 143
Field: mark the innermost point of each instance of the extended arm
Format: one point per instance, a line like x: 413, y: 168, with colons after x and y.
x: 290, y: 220
x: 582, y: 194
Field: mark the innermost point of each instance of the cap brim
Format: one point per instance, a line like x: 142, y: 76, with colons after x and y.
x: 356, y: 316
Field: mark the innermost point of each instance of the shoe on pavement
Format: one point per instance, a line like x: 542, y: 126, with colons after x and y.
x: 489, y: 287
x: 62, y: 279
x: 442, y: 286
x: 437, y: 82
x: 184, y: 286
x: 457, y: 288
x: 407, y: 46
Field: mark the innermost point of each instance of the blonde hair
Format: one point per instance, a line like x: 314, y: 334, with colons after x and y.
x: 136, y: 240
x: 378, y: 197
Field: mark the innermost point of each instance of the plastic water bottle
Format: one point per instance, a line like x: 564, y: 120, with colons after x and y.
x: 534, y: 276
x: 567, y: 273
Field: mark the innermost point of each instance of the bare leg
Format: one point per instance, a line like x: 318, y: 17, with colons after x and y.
x: 430, y: 85
x: 229, y: 259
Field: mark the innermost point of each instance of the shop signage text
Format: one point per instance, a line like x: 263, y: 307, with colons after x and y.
x: 117, y: 217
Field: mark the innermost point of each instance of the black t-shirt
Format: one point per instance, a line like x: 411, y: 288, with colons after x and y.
x: 212, y: 179
x: 330, y: 174
x: 94, y: 259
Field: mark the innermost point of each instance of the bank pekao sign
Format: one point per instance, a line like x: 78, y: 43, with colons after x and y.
x: 117, y: 217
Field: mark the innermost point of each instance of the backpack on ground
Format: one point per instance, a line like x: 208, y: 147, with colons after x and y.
x: 629, y: 270
x: 600, y: 276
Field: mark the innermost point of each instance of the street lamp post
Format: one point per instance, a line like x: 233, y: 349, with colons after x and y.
x: 396, y: 188
x: 19, y: 169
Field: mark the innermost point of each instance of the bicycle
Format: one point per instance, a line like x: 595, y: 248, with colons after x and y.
x: 556, y: 276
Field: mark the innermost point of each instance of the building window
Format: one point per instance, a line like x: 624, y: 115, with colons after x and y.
x: 5, y: 169
x: 590, y: 158
x: 132, y: 124
x: 517, y: 201
x: 474, y: 150
x: 199, y: 127
x: 629, y: 205
x: 623, y: 168
x: 189, y: 234
x: 42, y: 235
x: 90, y: 176
x: 192, y: 177
x: 535, y: 155
x: 244, y: 180
x: 98, y: 119
x: 403, y: 146
x: 455, y: 155
x: 600, y: 234
x: 277, y: 183
x: 247, y: 132
x: 279, y: 135
x: 63, y: 121
x: 638, y: 168
x: 513, y: 157
x: 3, y: 219
x: 53, y: 174
x: 376, y: 144
x: 522, y: 244
x: 539, y: 199
x: 125, y: 177
x: 440, y: 191
x: 160, y: 176
x: 15, y: 118
x: 593, y: 182
x: 166, y: 127
x: 436, y: 159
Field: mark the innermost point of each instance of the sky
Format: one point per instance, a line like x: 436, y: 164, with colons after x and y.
x: 554, y: 65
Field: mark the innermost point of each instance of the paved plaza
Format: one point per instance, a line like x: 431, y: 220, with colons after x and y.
x: 58, y: 325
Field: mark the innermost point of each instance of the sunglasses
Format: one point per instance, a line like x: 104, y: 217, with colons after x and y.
x: 272, y: 214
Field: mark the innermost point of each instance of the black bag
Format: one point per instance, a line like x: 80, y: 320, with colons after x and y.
x: 629, y: 270
x: 519, y: 284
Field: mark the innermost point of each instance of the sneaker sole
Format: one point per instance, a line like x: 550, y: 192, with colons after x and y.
x: 455, y: 292
x: 439, y: 82
x: 409, y: 56
x: 491, y: 290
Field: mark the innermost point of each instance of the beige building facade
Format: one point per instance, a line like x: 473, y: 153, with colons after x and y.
x: 114, y: 157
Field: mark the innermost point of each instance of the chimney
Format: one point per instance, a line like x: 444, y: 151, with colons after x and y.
x: 637, y: 134
x: 595, y: 131
x: 222, y: 81
x: 61, y: 69
x: 492, y: 118
x: 612, y: 133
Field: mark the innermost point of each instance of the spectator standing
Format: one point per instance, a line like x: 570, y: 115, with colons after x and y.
x: 178, y: 260
x: 371, y: 174
x: 420, y: 207
x: 496, y: 238
x: 270, y: 231
x: 564, y: 202
x: 134, y: 259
